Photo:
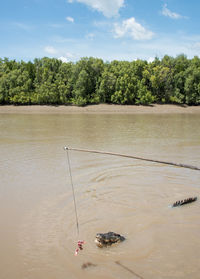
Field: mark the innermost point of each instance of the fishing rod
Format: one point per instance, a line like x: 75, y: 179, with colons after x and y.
x: 134, y: 157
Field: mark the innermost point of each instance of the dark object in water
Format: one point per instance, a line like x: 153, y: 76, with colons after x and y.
x: 185, y: 201
x: 86, y: 265
x: 105, y: 239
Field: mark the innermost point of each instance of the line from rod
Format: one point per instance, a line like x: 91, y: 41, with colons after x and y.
x: 70, y: 174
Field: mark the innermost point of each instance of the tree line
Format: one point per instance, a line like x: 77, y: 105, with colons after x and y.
x: 49, y: 81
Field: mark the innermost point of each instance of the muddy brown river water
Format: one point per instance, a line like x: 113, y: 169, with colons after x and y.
x: 37, y: 221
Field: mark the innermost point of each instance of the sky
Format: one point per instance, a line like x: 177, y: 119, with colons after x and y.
x: 107, y: 29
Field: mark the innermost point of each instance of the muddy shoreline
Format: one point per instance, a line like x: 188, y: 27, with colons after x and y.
x: 100, y: 109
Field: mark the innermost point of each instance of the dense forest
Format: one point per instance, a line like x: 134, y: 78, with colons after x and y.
x: 92, y: 81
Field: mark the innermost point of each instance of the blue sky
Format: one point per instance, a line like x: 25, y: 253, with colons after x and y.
x: 107, y: 29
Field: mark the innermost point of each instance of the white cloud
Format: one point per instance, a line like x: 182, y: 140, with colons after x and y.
x: 150, y: 59
x: 59, y: 53
x: 63, y: 59
x: 69, y: 55
x: 168, y: 13
x: 197, y: 45
x: 70, y: 19
x: 108, y: 7
x: 50, y: 50
x: 90, y: 36
x: 22, y: 26
x: 101, y: 24
x: 131, y: 28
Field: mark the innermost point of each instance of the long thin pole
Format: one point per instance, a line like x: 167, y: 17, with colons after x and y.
x: 135, y: 157
x: 70, y: 173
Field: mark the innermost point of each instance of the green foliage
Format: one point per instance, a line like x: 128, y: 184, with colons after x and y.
x: 144, y: 96
x: 90, y: 80
x: 192, y: 86
x: 125, y: 90
x: 106, y: 87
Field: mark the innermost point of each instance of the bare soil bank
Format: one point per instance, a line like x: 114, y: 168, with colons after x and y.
x: 100, y: 109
